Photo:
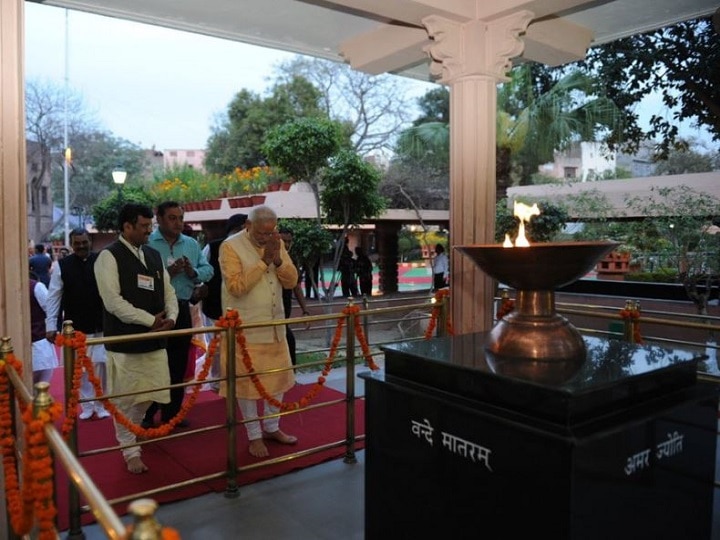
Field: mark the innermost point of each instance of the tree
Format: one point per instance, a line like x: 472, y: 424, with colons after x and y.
x: 311, y: 242
x: 94, y: 156
x: 47, y: 108
x: 349, y: 197
x: 302, y: 147
x: 539, y: 111
x: 682, y: 219
x: 542, y: 228
x: 238, y: 136
x: 549, y: 110
x: 684, y: 160
x: 372, y: 108
x: 680, y: 62
x: 106, y: 212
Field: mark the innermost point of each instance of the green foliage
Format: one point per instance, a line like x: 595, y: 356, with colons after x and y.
x: 680, y: 62
x: 664, y: 275
x: 543, y: 228
x: 434, y: 106
x: 94, y: 156
x: 105, y: 213
x: 407, y: 242
x: 302, y: 146
x: 350, y: 190
x: 310, y: 240
x: 684, y: 218
x: 371, y: 109
x: 237, y: 139
x: 684, y: 161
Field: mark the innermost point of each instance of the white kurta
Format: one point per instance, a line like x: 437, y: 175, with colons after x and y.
x: 255, y: 290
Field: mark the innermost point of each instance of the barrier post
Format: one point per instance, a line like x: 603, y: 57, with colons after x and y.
x: 145, y: 526
x: 350, y: 387
x: 69, y: 359
x: 231, y: 490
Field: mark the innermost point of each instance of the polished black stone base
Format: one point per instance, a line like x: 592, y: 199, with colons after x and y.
x: 625, y: 449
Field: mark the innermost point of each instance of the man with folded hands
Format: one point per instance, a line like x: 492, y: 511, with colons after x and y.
x: 256, y: 267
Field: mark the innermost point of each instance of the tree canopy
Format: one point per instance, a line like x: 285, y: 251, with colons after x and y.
x: 680, y: 62
x: 238, y: 136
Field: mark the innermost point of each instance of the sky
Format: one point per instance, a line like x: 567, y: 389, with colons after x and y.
x: 159, y: 87
x: 147, y: 84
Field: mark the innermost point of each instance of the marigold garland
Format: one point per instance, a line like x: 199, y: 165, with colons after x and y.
x: 232, y: 319
x: 35, y: 498
x: 632, y: 316
x: 435, y: 314
x: 83, y: 362
x: 507, y: 305
x: 360, y: 334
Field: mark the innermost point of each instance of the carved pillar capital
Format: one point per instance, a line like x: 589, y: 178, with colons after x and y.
x: 474, y: 48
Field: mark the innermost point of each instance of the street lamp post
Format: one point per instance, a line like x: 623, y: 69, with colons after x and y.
x: 119, y: 175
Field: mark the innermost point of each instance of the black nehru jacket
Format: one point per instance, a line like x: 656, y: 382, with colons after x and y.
x: 129, y: 267
x: 81, y: 302
x: 212, y: 303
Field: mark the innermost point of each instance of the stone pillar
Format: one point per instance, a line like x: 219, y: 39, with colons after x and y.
x: 15, y: 311
x: 386, y: 237
x: 473, y: 57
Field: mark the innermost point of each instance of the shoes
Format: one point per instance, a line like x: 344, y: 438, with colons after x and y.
x: 86, y: 415
x: 183, y: 424
x: 102, y: 413
x: 147, y: 424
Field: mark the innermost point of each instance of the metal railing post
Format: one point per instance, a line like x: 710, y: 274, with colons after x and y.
x: 69, y: 359
x: 231, y: 491
x: 350, y: 388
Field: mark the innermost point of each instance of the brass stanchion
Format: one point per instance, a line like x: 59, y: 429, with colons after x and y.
x: 231, y: 491
x: 145, y: 526
x: 69, y: 358
x: 350, y: 387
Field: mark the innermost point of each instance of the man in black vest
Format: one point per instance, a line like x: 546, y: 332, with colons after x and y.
x: 211, y: 304
x: 73, y: 295
x: 138, y: 299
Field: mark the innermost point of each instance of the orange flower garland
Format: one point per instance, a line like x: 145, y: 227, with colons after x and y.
x: 36, y: 496
x: 232, y: 319
x: 360, y: 335
x: 435, y: 313
x: 82, y: 361
x: 507, y: 305
x: 632, y: 314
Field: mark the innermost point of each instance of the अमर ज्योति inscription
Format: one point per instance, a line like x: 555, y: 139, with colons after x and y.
x: 641, y: 460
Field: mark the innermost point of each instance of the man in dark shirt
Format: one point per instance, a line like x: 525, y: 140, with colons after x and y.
x: 212, y: 305
x: 73, y: 295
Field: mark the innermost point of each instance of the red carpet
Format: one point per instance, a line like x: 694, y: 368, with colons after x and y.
x: 204, y: 453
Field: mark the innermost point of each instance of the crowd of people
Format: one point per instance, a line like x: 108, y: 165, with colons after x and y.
x: 146, y: 282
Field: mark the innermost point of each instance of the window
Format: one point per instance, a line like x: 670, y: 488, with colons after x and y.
x: 570, y: 172
x: 190, y: 153
x: 44, y: 195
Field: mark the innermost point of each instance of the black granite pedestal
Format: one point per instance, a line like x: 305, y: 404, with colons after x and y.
x: 624, y: 448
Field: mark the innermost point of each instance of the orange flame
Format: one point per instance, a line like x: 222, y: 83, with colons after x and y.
x: 524, y: 213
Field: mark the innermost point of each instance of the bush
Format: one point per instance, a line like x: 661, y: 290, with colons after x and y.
x: 663, y: 275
